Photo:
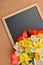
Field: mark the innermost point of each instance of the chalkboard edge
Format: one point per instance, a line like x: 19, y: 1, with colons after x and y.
x: 39, y: 12
x: 8, y: 32
x: 26, y: 8
x: 3, y: 19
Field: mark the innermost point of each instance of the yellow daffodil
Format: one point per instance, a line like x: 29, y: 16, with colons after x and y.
x: 40, y: 35
x: 20, y: 43
x: 30, y: 41
x: 28, y: 49
x: 23, y: 63
x: 27, y: 56
x: 26, y: 43
x: 37, y: 56
x: 24, y: 56
x: 38, y: 45
x: 31, y: 63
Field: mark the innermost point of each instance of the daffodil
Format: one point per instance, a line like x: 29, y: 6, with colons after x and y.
x: 38, y: 45
x: 23, y: 63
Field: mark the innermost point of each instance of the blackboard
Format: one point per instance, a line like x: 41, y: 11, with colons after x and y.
x: 29, y: 18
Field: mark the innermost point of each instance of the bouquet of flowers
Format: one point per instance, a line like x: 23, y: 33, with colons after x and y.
x: 28, y: 49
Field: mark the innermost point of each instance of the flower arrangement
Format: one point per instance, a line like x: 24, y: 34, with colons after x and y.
x: 28, y: 49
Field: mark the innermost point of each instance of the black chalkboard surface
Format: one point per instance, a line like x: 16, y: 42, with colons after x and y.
x: 24, y: 20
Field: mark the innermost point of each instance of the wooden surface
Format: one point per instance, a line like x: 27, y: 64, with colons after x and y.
x: 7, y: 7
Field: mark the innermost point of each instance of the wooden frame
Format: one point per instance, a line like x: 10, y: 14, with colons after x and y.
x: 3, y: 18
